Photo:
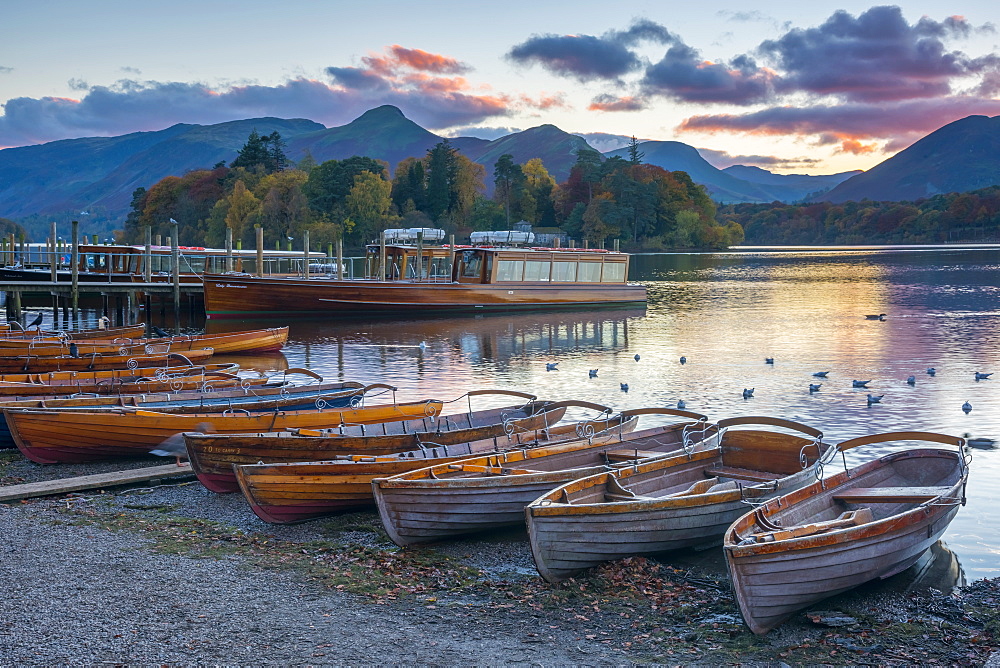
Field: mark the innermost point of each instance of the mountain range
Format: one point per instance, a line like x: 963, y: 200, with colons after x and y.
x: 61, y: 178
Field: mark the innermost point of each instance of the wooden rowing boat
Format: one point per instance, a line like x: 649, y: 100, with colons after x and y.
x: 98, y: 361
x: 125, y: 381
x: 296, y: 492
x: 250, y: 341
x: 277, y: 395
x: 491, y: 491
x: 682, y: 500
x: 862, y: 524
x: 50, y: 437
x: 127, y: 332
x: 214, y: 455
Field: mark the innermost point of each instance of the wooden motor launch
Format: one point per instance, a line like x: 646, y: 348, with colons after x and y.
x: 54, y: 436
x: 862, y: 524
x: 493, y: 274
x: 682, y: 500
x: 295, y: 492
x: 492, y: 490
x: 213, y: 456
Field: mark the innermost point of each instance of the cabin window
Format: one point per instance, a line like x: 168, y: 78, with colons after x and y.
x: 510, y: 270
x: 537, y: 270
x: 564, y: 272
x: 589, y: 272
x: 440, y: 268
x: 473, y: 265
x: 194, y: 263
x: 614, y: 272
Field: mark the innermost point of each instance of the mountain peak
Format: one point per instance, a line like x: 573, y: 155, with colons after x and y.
x: 381, y: 114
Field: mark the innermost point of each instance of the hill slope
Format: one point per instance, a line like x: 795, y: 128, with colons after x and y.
x: 961, y: 156
x: 789, y: 187
x: 556, y: 148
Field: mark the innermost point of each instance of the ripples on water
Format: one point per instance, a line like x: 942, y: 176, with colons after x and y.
x: 726, y: 313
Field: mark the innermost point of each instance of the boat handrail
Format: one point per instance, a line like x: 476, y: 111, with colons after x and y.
x: 771, y: 421
x: 663, y: 411
x: 965, y: 456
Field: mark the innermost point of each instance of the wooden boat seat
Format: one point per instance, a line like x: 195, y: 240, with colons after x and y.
x: 615, y: 492
x: 629, y: 455
x: 849, y: 519
x: 489, y: 470
x: 742, y: 474
x: 699, y: 487
x: 890, y: 494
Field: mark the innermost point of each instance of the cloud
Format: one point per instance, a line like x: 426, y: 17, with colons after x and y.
x: 133, y: 71
x: 5, y: 70
x: 604, y: 142
x: 611, y: 103
x: 898, y: 124
x: 78, y: 84
x: 876, y: 56
x: 683, y: 74
x: 723, y: 159
x: 483, y: 132
x: 423, y: 85
x: 588, y: 57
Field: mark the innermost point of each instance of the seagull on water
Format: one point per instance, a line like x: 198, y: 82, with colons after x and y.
x: 983, y: 376
x: 592, y: 373
x: 860, y: 383
x: 967, y: 407
x: 681, y: 405
x: 821, y: 374
x: 880, y: 316
x: 636, y: 357
x: 911, y: 380
x: 768, y: 360
x: 872, y: 399
x: 931, y: 371
x: 624, y: 387
x: 551, y: 366
x: 683, y: 360
x: 748, y: 393
x: 814, y: 387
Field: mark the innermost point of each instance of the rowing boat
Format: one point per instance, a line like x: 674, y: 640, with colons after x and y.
x: 679, y: 501
x: 195, y: 378
x: 214, y: 455
x: 866, y: 523
x: 98, y: 361
x: 128, y: 331
x: 250, y: 341
x: 296, y: 492
x: 50, y: 437
x: 491, y: 491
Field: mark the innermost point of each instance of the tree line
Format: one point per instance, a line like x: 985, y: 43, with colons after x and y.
x: 354, y: 199
x: 968, y: 216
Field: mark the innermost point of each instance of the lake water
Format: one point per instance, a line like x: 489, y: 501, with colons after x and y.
x: 726, y: 313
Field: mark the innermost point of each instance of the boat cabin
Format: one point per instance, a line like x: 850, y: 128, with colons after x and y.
x: 130, y: 260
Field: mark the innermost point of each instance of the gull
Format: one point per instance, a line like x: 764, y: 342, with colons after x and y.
x: 103, y: 322
x: 683, y: 360
x: 636, y: 357
x: 768, y: 360
x: 983, y: 376
x: 967, y: 407
x: 821, y: 374
x: 911, y: 380
x: 592, y: 373
x: 423, y: 345
x: 748, y: 393
x: 880, y: 316
x: 624, y: 387
x: 681, y: 405
x: 814, y: 387
x: 872, y: 399
x: 979, y: 441
x: 931, y: 371
x: 551, y: 366
x: 860, y: 383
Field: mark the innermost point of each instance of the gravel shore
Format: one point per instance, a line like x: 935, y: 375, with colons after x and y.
x: 176, y: 575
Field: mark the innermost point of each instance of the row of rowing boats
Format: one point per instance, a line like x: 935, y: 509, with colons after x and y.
x: 589, y: 491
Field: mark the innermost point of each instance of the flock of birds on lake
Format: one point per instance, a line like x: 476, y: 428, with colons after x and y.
x: 813, y: 387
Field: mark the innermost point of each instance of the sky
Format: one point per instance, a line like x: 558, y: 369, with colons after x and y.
x: 794, y: 87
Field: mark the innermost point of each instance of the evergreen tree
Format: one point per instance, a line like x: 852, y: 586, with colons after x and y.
x: 635, y: 156
x: 255, y: 152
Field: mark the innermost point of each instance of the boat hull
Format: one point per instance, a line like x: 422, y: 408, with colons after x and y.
x: 773, y: 580
x: 226, y: 297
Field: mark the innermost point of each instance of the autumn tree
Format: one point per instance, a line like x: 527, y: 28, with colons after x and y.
x: 367, y: 206
x: 242, y: 207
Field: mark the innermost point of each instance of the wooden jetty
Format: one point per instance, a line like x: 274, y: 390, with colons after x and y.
x: 33, y: 490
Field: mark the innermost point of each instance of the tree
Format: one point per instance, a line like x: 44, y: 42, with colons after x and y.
x: 635, y: 156
x: 509, y: 181
x: 253, y: 154
x: 329, y: 183
x: 284, y: 210
x: 440, y: 168
x: 242, y: 207
x: 368, y: 205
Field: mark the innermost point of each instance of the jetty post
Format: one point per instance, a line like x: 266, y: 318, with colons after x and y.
x: 305, y: 253
x: 451, y: 252
x: 340, y: 259
x: 381, y: 256
x: 75, y: 270
x: 53, y: 269
x: 229, y: 249
x: 175, y: 256
x: 260, y: 249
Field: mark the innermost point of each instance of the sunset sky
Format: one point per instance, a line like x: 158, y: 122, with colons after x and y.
x: 787, y: 85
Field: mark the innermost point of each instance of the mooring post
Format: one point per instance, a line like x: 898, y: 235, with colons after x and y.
x: 260, y: 249
x: 381, y: 256
x: 229, y: 248
x: 340, y: 259
x: 75, y: 273
x: 305, y: 254
x: 17, y: 305
x: 53, y: 267
x: 176, y: 268
x: 147, y: 260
